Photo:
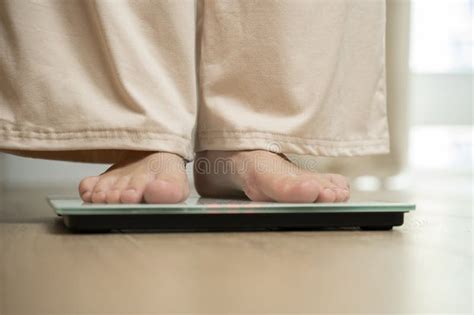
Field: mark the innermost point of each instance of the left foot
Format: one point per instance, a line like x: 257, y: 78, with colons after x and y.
x: 264, y: 176
x: 151, y: 177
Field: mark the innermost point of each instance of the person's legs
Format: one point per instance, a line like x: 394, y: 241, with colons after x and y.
x: 304, y: 77
x: 102, y: 81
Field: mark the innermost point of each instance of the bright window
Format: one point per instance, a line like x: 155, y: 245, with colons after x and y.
x: 441, y: 38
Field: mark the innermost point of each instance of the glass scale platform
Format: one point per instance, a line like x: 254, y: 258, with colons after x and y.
x: 204, y: 214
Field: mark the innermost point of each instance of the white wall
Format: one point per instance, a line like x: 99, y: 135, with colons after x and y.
x: 441, y: 99
x: 16, y: 170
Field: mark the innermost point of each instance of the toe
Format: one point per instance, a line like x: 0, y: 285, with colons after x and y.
x: 101, y: 189
x: 347, y: 194
x: 303, y: 190
x: 98, y: 196
x: 86, y: 187
x: 290, y: 189
x: 133, y: 193
x: 113, y: 195
x: 340, y: 195
x: 338, y: 180
x: 87, y: 196
x: 327, y: 195
x: 165, y: 191
x: 343, y: 187
x: 329, y: 191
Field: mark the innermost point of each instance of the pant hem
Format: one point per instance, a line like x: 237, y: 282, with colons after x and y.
x: 290, y: 144
x: 26, y: 140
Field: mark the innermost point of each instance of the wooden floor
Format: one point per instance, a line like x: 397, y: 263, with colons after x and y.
x: 423, y: 267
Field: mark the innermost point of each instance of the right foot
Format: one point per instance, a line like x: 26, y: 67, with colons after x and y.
x: 264, y: 176
x: 152, y: 178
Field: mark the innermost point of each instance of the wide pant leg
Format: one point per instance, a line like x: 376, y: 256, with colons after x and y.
x: 294, y: 76
x: 81, y: 78
x: 85, y: 80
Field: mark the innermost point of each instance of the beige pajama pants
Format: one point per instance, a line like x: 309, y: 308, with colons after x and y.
x: 88, y: 80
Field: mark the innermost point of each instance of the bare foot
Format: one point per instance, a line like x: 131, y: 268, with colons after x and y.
x: 152, y: 178
x: 264, y: 176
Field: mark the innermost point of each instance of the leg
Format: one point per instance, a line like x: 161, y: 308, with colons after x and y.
x: 102, y: 81
x: 303, y: 77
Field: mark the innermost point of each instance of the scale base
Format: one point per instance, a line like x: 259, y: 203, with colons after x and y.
x: 233, y: 221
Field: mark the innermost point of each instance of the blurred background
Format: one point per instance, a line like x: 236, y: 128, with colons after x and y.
x: 429, y: 65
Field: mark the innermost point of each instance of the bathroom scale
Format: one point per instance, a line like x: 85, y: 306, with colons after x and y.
x: 205, y: 214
